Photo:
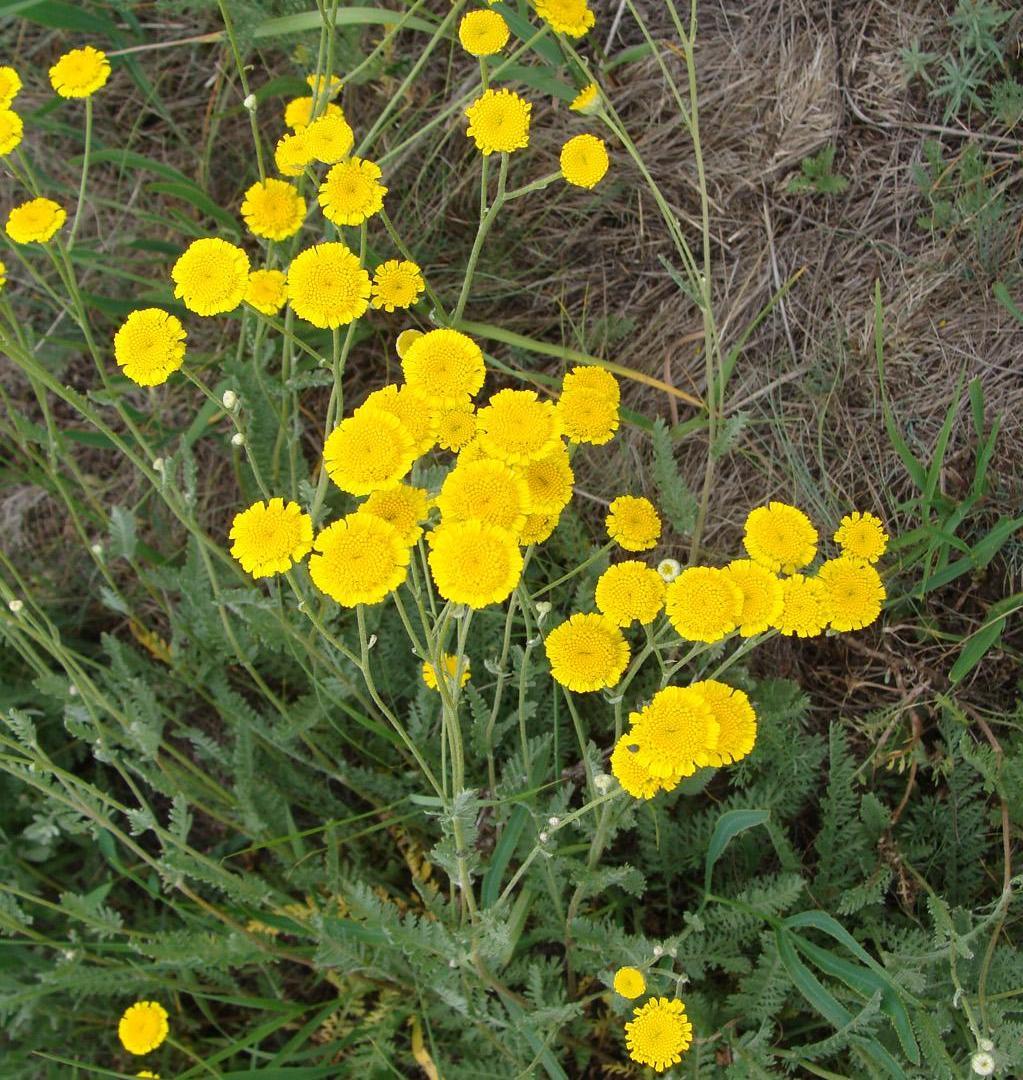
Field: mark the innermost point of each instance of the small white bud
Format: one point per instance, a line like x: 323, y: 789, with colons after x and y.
x: 986, y: 1045
x: 602, y: 782
x: 452, y: 963
x: 554, y: 822
x: 159, y: 464
x: 658, y: 951
x: 237, y: 439
x: 97, y: 550
x: 543, y: 609
x: 230, y: 399
x: 983, y: 1064
x: 15, y: 606
x: 669, y: 569
x: 542, y: 838
x: 72, y: 691
x: 250, y: 103
x: 68, y: 954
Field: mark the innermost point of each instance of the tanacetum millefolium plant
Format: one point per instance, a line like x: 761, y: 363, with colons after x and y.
x: 586, y: 805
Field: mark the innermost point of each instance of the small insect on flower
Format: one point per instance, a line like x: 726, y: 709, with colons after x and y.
x: 674, y: 733
x: 517, y: 427
x: 538, y: 528
x: 571, y: 17
x: 327, y: 286
x: 483, y: 32
x: 450, y: 664
x: 273, y: 209
x: 351, y: 192
x: 629, y: 982
x: 445, y: 366
x: 474, y: 563
x: 587, y: 101
x: 780, y: 537
x: 143, y: 1027
x: 761, y: 595
x: 80, y: 72
x: 396, y: 285
x: 368, y: 450
x: 659, y: 1033
x: 862, y: 536
x: 633, y: 524
x: 855, y: 592
x: 499, y: 122
x: 630, y: 591
x: 35, y: 221
x: 587, y: 653
x: 805, y: 608
x: 10, y: 84
x: 632, y: 775
x: 267, y: 291
x: 211, y: 276
x: 359, y: 560
x: 270, y: 537
x: 11, y: 129
x: 584, y: 161
x: 149, y: 346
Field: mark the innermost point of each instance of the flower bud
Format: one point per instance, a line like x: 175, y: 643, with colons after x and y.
x: 669, y: 569
x: 982, y: 1063
x: 237, y: 439
x: 230, y: 399
x: 97, y: 550
x: 250, y: 103
x: 15, y: 606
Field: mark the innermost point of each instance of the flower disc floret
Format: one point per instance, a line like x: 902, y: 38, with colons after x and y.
x: 410, y: 407
x: 659, y: 1033
x: 11, y: 129
x: 633, y: 524
x: 761, y: 596
x: 862, y: 536
x: 483, y: 32
x: 143, y: 1027
x: 293, y: 153
x: 273, y: 209
x: 358, y: 560
x: 855, y: 592
x: 35, y: 221
x: 736, y: 719
x: 587, y: 652
x: 211, y: 276
x: 632, y: 775
x: 588, y: 416
x: 549, y: 479
x: 298, y: 113
x: 674, y: 733
x: 499, y: 122
x: 328, y: 138
x: 80, y: 72
x: 517, y: 427
x: 450, y: 664
x: 327, y: 286
x: 10, y: 84
x: 267, y: 291
x: 401, y: 505
x: 572, y: 17
x: 351, y: 192
x: 630, y: 591
x: 629, y: 982
x: 780, y: 537
x: 369, y: 450
x: 270, y: 537
x: 704, y: 604
x: 487, y: 491
x: 445, y: 366
x: 584, y: 161
x: 149, y: 345
x: 397, y: 284
x: 473, y: 563
x: 805, y: 609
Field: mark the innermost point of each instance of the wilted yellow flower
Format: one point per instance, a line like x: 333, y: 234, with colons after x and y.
x: 270, y: 537
x: 780, y: 537
x: 629, y: 982
x: 483, y: 32
x: 273, y: 209
x: 454, y: 425
x: 351, y: 192
x: 487, y: 491
x: 862, y: 536
x: 293, y: 153
x: 572, y: 17
x: 329, y: 138
x: 410, y: 407
x: 80, y: 72
x: 396, y: 284
x: 445, y: 366
x: 630, y: 591
x: 633, y: 776
x: 761, y: 595
x: 674, y: 732
x: 587, y: 652
x: 659, y: 1033
x: 358, y: 560
x: 633, y: 524
x: 499, y: 122
x: 211, y: 276
x: 584, y: 161
x: 370, y: 449
x: 403, y: 506
x: 149, y: 345
x: 737, y: 722
x: 587, y: 101
x: 35, y: 221
x: 704, y: 604
x: 11, y: 129
x: 327, y: 286
x: 855, y: 592
x: 298, y: 114
x: 143, y: 1027
x: 473, y: 563
x: 10, y: 84
x: 267, y: 291
x: 549, y: 479
x: 805, y: 609
x: 516, y: 426
x: 450, y: 664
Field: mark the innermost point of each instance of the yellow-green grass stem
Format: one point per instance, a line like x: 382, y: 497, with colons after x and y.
x: 486, y: 221
x: 85, y: 174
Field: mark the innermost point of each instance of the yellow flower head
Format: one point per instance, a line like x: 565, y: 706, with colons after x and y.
x: 584, y: 161
x: 11, y: 129
x: 499, y: 122
x: 351, y: 192
x: 298, y: 114
x: 761, y: 595
x: 674, y: 733
x: 322, y: 84
x: 450, y: 664
x: 293, y: 153
x: 358, y: 560
x: 273, y: 209
x: 549, y: 479
x: 454, y: 425
x: 572, y: 17
x: 396, y: 284
x: 483, y: 32
x: 517, y: 427
x: 862, y: 536
x: 704, y: 604
x: 588, y: 416
x: 403, y: 506
x: 629, y: 591
x: 149, y: 1075
x: 538, y: 528
x: 855, y: 592
x: 329, y: 138
x: 587, y: 101
x: 659, y: 1033
x: 410, y: 407
x: 80, y: 73
x: 404, y: 340
x: 629, y: 982
x: 780, y: 537
x: 270, y: 537
x: 143, y: 1027
x: 149, y: 345
x: 267, y: 291
x: 211, y: 276
x: 10, y: 84
x: 35, y: 221
x: 473, y: 563
x: 633, y: 523
x: 592, y: 377
x: 737, y: 722
x: 3, y: 274
x: 587, y: 652
x: 472, y: 451
x: 632, y: 775
x: 370, y: 449
x: 327, y: 286
x: 445, y: 366
x: 487, y: 491
x: 805, y: 607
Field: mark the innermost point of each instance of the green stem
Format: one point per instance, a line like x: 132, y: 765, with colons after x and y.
x: 486, y: 221
x: 85, y: 173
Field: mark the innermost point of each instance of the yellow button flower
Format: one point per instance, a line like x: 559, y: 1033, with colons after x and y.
x: 143, y: 1027
x: 351, y: 192
x: 11, y: 129
x: 35, y: 221
x: 267, y: 291
x: 633, y: 776
x: 549, y: 479
x: 659, y: 1033
x: 445, y: 366
x: 587, y: 101
x: 273, y: 209
x: 538, y: 528
x: 780, y: 537
x: 674, y: 733
x: 633, y: 523
x: 401, y: 505
x: 149, y: 346
x: 454, y: 425
x: 592, y: 377
x: 630, y: 591
x: 588, y: 416
x: 396, y: 285
x: 370, y: 449
x: 517, y: 427
x: 587, y: 652
x: 327, y: 285
x: 80, y: 72
x: 293, y: 153
x: 855, y: 592
x: 862, y: 536
x: 269, y: 538
x: 499, y: 122
x: 805, y: 609
x: 704, y: 604
x: 487, y: 491
x: 359, y: 560
x: 10, y: 84
x: 211, y: 276
x: 473, y: 563
x: 450, y: 664
x: 761, y: 595
x: 584, y: 161
x: 736, y: 720
x: 298, y: 114
x: 572, y: 17
x: 629, y: 982
x: 483, y: 32
x: 329, y: 138
x: 411, y: 408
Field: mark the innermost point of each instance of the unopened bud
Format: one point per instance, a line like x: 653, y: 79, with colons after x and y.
x: 982, y: 1063
x: 230, y: 399
x: 97, y: 550
x: 669, y: 569
x: 15, y: 606
x: 602, y: 782
x: 658, y: 951
x: 542, y: 838
x: 554, y: 822
x: 237, y: 439
x: 250, y: 103
x: 158, y: 464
